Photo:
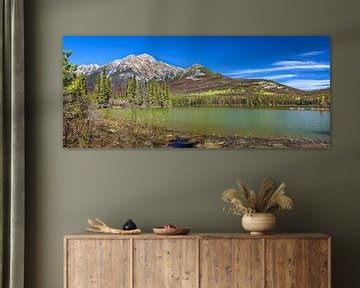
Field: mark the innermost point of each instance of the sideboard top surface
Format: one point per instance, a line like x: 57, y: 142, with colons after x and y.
x: 86, y: 235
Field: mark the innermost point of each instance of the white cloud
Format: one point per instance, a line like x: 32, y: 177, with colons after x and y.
x: 311, y: 53
x: 283, y: 66
x: 280, y: 76
x: 308, y: 84
x: 294, y: 63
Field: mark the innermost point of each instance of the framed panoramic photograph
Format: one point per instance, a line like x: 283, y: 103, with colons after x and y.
x: 196, y: 92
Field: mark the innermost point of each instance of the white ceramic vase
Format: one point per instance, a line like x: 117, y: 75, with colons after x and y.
x: 259, y: 223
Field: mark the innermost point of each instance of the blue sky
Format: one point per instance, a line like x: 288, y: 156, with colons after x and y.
x: 299, y: 61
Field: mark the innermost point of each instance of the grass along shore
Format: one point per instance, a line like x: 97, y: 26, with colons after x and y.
x: 122, y: 133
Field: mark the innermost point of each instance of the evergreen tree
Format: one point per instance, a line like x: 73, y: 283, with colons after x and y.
x: 155, y: 96
x: 167, y: 94
x: 68, y: 71
x: 139, y: 94
x: 145, y: 91
x: 78, y: 86
x: 149, y: 93
x: 77, y: 105
x: 106, y: 87
x: 97, y: 89
x: 103, y: 91
x: 164, y: 95
x: 131, y: 90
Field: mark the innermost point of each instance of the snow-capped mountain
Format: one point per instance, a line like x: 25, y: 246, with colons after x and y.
x: 87, y: 69
x: 193, y: 79
x: 143, y: 67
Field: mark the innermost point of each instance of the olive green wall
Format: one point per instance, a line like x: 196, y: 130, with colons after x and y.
x: 152, y: 187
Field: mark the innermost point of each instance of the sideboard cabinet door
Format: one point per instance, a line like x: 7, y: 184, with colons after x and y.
x: 287, y: 263
x: 231, y: 263
x: 165, y: 263
x: 98, y: 263
x: 320, y: 263
x: 297, y: 263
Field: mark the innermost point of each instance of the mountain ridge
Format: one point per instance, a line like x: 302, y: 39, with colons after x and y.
x: 194, y: 79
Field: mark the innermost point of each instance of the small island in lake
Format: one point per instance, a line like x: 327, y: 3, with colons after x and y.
x: 139, y: 101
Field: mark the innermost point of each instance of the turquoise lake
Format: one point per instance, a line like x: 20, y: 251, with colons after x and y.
x: 276, y: 123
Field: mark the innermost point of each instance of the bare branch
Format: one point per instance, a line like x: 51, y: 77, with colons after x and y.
x: 103, y: 228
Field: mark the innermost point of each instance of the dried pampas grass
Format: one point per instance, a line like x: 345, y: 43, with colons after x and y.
x: 245, y: 201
